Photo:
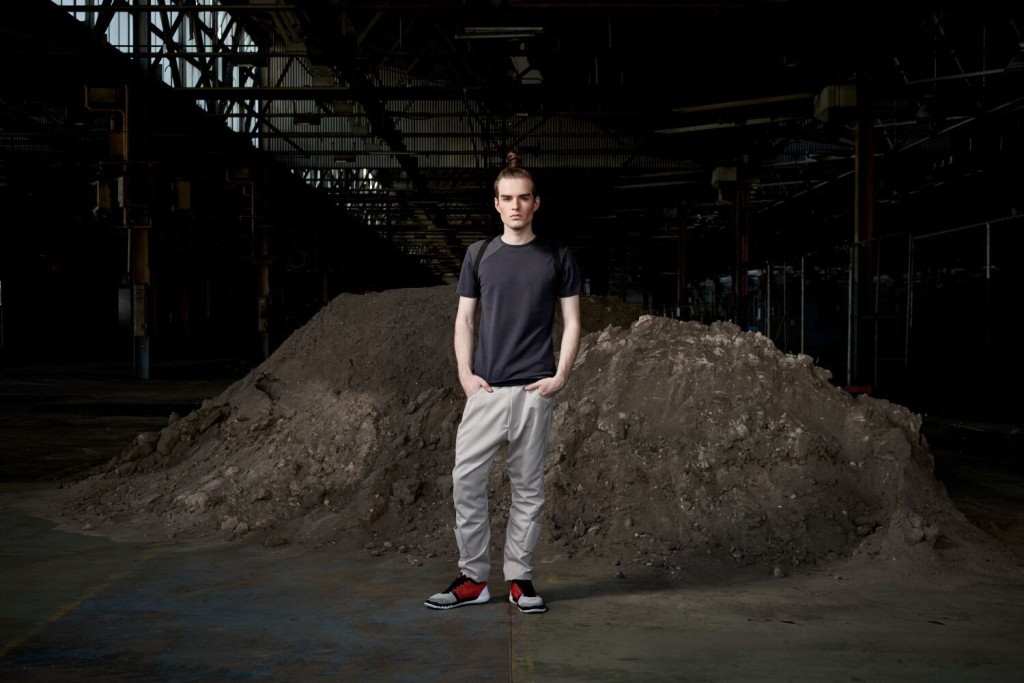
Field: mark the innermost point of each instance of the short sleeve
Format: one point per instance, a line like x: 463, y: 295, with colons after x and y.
x: 572, y: 278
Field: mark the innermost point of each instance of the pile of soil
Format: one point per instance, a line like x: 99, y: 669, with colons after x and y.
x: 676, y: 445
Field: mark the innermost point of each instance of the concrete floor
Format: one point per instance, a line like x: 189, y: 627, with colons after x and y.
x: 77, y: 607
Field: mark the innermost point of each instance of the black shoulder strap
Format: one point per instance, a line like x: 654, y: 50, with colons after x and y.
x: 487, y: 247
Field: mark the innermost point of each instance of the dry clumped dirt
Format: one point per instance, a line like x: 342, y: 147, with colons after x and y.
x: 681, y: 446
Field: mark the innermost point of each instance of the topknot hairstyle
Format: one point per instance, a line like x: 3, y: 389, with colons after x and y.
x: 514, y: 169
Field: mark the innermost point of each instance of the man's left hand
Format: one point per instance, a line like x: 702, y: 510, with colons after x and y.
x: 549, y: 386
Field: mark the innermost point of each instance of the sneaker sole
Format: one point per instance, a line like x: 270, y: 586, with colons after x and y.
x: 484, y: 596
x: 528, y: 610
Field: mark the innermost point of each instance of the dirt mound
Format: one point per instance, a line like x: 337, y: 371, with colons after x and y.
x: 675, y: 445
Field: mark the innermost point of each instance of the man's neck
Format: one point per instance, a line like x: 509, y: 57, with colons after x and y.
x: 518, y: 236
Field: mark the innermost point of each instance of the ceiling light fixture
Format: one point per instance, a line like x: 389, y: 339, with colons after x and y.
x: 497, y: 32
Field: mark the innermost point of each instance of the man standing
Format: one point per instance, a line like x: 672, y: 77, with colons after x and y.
x: 510, y: 378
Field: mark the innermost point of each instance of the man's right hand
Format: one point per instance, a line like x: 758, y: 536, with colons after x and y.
x: 474, y: 383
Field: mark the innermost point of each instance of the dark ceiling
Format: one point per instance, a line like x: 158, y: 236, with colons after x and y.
x: 401, y: 112
x: 626, y: 109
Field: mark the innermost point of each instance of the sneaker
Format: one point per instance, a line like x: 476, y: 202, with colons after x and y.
x: 463, y: 591
x: 522, y: 595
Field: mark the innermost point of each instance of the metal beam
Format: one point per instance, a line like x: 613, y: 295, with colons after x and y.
x: 537, y: 93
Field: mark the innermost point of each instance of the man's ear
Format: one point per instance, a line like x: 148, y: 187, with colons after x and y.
x: 536, y: 203
x: 496, y: 204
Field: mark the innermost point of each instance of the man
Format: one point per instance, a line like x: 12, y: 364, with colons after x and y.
x: 509, y: 375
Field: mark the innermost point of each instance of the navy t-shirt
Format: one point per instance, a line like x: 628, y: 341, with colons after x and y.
x: 517, y: 292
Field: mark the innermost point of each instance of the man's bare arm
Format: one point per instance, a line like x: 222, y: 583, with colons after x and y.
x: 570, y: 346
x: 464, y: 327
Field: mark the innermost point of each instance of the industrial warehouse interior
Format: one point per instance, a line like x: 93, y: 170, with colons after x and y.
x: 790, y: 448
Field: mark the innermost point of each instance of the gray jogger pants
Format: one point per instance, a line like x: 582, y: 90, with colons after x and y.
x: 522, y: 418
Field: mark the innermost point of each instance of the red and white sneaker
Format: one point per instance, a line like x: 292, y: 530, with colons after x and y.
x: 463, y: 591
x: 522, y: 595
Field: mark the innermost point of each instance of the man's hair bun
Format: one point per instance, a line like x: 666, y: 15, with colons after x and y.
x: 514, y: 169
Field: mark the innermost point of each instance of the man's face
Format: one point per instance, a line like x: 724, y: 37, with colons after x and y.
x: 516, y: 203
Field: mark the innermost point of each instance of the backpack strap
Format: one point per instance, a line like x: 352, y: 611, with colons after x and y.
x: 486, y: 249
